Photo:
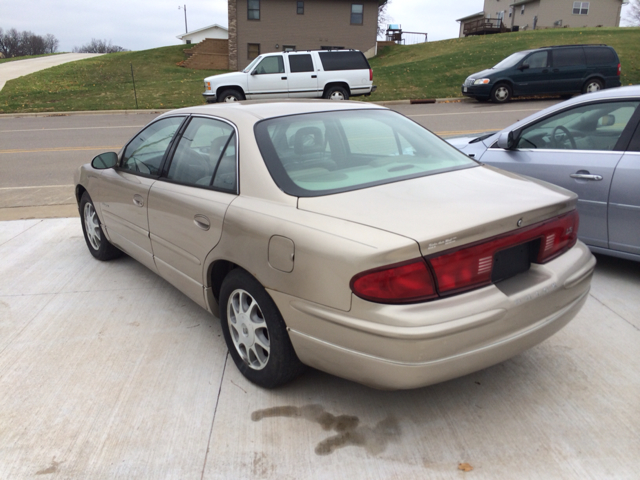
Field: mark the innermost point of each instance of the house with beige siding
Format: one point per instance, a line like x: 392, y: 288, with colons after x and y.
x: 261, y: 26
x: 540, y: 14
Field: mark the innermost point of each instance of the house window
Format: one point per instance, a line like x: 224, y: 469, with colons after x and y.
x: 580, y: 8
x: 288, y: 48
x: 300, y: 8
x: 500, y: 15
x: 253, y: 50
x: 522, y: 10
x: 253, y: 9
x: 188, y: 42
x: 357, y: 10
x: 510, y: 12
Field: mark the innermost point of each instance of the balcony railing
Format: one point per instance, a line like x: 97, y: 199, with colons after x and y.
x: 484, y: 26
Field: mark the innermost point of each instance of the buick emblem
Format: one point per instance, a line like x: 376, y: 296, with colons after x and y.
x: 519, y: 223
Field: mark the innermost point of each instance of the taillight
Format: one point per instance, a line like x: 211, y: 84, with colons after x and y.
x: 407, y: 282
x: 463, y: 269
x: 619, y: 69
x: 371, y: 74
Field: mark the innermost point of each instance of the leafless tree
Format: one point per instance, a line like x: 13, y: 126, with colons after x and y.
x: 99, y: 46
x: 383, y: 18
x: 20, y: 44
x: 632, y: 17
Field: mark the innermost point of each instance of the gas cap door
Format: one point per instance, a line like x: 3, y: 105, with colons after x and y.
x: 281, y: 253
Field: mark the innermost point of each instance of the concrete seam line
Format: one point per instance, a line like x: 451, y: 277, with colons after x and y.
x: 215, y: 410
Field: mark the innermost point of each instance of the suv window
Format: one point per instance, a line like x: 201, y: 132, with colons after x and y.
x: 268, y: 65
x: 591, y: 127
x: 205, y: 155
x: 300, y: 63
x: 568, y: 57
x: 332, y: 61
x: 145, y: 152
x: 600, y: 56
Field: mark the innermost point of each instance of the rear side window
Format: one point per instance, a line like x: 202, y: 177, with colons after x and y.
x: 300, y: 63
x: 568, y: 57
x: 332, y: 61
x: 600, y: 56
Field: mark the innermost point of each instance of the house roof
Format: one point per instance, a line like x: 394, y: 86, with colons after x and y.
x: 215, y: 25
x: 469, y: 17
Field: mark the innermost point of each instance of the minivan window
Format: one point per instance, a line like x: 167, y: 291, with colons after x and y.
x: 568, y: 57
x: 511, y: 60
x: 600, y: 56
x: 330, y: 152
x: 332, y: 61
x: 537, y: 60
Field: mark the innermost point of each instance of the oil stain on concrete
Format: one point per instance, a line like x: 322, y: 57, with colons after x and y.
x: 348, y: 431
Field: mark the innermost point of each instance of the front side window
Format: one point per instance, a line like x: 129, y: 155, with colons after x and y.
x: 145, y: 152
x: 591, y: 127
x: 537, y: 60
x: 580, y: 8
x: 357, y: 12
x: 205, y: 155
x: 322, y: 153
x: 253, y: 9
x: 270, y: 65
x: 300, y: 8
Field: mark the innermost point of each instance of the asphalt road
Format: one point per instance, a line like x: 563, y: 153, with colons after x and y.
x: 38, y: 154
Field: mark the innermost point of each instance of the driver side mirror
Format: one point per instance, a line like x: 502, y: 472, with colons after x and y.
x: 524, y: 66
x: 506, y: 141
x: 105, y: 161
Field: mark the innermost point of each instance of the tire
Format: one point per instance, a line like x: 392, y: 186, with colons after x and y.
x: 592, y: 85
x: 97, y: 243
x: 230, y: 95
x: 501, y: 93
x: 336, y: 93
x: 255, y: 332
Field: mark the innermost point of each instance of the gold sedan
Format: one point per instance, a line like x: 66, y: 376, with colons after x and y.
x: 344, y: 237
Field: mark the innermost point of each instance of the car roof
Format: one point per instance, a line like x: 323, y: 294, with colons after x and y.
x: 262, y: 109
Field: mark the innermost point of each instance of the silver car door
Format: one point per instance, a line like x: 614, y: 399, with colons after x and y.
x: 123, y: 191
x: 624, y: 202
x: 187, y: 205
x: 575, y: 149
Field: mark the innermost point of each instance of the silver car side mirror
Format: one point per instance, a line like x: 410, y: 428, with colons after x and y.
x: 105, y: 160
x: 506, y: 141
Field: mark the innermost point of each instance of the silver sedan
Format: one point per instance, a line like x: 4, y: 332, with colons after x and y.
x: 589, y: 145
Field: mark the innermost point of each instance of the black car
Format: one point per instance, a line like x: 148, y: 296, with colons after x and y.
x: 561, y: 69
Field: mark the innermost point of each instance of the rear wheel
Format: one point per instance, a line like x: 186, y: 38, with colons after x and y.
x: 98, y: 245
x: 230, y: 95
x: 592, y: 85
x: 336, y: 93
x: 255, y: 332
x: 501, y: 93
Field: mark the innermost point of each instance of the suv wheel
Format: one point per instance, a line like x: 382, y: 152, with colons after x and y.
x: 501, y: 93
x: 336, y: 93
x: 230, y: 95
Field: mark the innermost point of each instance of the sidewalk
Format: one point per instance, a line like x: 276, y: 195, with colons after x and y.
x: 108, y: 372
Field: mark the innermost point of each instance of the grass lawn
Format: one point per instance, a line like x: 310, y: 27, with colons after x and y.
x: 438, y: 69
x: 104, y: 83
x: 428, y: 70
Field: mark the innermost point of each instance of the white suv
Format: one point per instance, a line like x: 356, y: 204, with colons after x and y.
x: 332, y: 74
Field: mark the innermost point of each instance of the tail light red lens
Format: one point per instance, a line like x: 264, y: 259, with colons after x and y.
x: 371, y: 73
x: 401, y: 283
x: 619, y: 69
x: 463, y: 269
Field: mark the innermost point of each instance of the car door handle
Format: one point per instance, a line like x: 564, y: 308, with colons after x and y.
x: 283, y: 78
x: 138, y: 200
x: 202, y: 222
x: 586, y: 176
x: 314, y: 76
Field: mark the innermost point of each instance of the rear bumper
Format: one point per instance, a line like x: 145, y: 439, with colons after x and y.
x: 410, y: 346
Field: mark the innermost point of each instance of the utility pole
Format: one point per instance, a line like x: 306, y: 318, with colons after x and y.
x: 185, y: 18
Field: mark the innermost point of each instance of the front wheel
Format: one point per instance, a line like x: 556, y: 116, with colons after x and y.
x: 230, y: 95
x: 98, y: 245
x: 255, y: 332
x: 336, y: 93
x: 592, y: 85
x: 501, y: 93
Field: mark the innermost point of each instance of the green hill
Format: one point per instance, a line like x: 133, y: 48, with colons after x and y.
x: 428, y: 70
x: 437, y: 69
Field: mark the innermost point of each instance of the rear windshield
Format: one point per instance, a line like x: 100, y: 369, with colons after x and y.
x: 343, y: 61
x: 322, y: 153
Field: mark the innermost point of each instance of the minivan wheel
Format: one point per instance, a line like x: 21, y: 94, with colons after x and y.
x: 592, y: 85
x: 255, y: 332
x: 501, y: 93
x: 230, y: 95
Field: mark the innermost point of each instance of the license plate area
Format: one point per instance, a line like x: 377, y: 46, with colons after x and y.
x: 511, y: 261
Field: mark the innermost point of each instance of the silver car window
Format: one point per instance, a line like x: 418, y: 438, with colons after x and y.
x: 322, y: 153
x: 596, y: 126
x: 205, y: 155
x: 145, y: 152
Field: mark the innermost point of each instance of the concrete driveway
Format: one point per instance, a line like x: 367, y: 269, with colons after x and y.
x: 106, y: 371
x: 19, y: 68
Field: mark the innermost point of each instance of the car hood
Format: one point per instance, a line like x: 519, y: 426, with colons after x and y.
x: 482, y: 74
x: 227, y: 77
x: 450, y: 209
x: 460, y: 142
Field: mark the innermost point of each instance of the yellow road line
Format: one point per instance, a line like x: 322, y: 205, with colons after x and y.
x: 59, y: 149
